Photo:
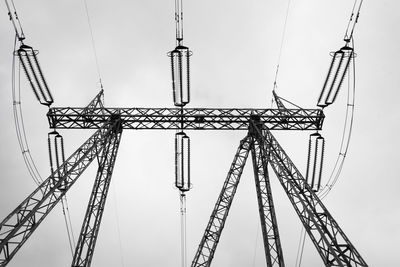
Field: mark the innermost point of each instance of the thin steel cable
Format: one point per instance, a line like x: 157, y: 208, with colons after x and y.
x: 20, y: 35
x: 300, y: 248
x: 71, y: 242
x: 281, y: 47
x: 69, y: 221
x: 182, y: 198
x: 346, y: 134
x: 118, y: 225
x: 93, y: 43
x: 19, y: 122
x: 255, y: 246
x: 349, y: 36
x: 179, y: 21
x: 23, y: 141
x: 344, y: 145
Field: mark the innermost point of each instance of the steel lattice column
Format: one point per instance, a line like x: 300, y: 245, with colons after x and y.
x: 18, y: 226
x: 269, y: 225
x: 209, y: 242
x: 330, y: 241
x: 87, y: 239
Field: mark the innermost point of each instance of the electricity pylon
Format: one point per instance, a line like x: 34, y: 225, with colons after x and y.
x: 331, y: 243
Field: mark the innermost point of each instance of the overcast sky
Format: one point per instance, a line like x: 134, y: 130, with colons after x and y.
x: 235, y: 48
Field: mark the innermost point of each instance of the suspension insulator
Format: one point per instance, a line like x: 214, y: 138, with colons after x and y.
x: 56, y: 155
x: 30, y: 64
x: 316, y: 147
x: 182, y: 161
x: 180, y: 75
x: 337, y: 71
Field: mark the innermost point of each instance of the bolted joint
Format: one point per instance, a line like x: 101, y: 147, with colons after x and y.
x: 117, y: 121
x: 255, y: 125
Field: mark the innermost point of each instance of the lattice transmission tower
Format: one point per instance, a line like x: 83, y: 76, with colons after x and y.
x: 331, y: 243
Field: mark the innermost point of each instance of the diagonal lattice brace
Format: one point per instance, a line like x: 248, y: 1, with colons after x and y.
x: 90, y: 228
x: 278, y: 101
x: 18, y: 226
x: 269, y: 225
x: 209, y: 242
x: 97, y: 101
x: 330, y: 241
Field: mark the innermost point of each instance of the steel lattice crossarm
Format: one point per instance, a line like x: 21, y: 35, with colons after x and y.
x: 186, y: 118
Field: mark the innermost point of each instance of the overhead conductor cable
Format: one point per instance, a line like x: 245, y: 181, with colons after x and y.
x: 336, y: 73
x: 182, y: 182
x: 12, y: 13
x: 340, y: 62
x: 29, y: 62
x: 93, y: 44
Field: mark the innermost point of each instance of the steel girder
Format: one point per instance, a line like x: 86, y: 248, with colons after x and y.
x: 209, y: 242
x: 18, y: 226
x: 90, y: 228
x: 330, y: 241
x: 269, y: 225
x: 187, y: 118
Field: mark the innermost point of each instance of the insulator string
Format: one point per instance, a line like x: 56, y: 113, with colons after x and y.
x: 19, y: 121
x: 23, y: 141
x: 346, y: 134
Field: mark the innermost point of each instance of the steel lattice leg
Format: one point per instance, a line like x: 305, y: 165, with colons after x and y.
x: 87, y: 239
x: 330, y: 241
x: 269, y: 225
x: 19, y: 225
x: 209, y: 242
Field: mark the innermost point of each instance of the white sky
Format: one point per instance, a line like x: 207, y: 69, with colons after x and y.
x: 236, y: 46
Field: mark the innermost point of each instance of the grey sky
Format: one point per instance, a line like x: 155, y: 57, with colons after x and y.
x: 235, y: 48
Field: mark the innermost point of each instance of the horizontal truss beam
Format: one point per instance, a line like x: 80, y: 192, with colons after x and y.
x: 187, y: 118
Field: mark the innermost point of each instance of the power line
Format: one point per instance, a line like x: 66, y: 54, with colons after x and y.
x: 93, y: 43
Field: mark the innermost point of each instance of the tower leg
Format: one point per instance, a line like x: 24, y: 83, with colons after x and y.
x: 19, y: 225
x: 87, y: 239
x: 269, y: 225
x: 330, y: 241
x: 209, y: 242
